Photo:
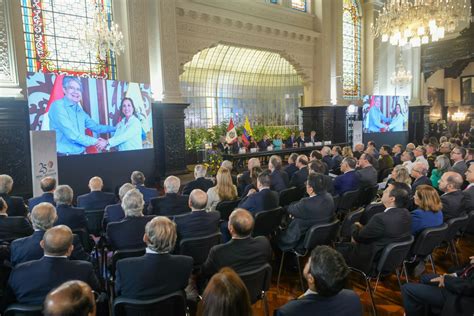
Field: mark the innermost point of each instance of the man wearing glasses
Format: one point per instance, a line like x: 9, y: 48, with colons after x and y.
x: 457, y: 156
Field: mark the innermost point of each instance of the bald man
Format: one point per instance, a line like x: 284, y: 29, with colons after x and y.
x: 31, y: 281
x: 198, y: 223
x: 48, y: 185
x: 70, y: 298
x: 452, y: 199
x: 96, y: 199
x: 243, y: 252
x: 172, y: 203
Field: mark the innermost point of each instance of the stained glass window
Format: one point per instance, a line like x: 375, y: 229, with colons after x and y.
x: 52, y: 30
x: 299, y: 5
x: 351, y: 50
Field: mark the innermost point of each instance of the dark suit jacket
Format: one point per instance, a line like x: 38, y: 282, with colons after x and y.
x: 469, y: 199
x: 31, y: 281
x: 336, y: 163
x: 300, y: 141
x: 197, y: 224
x: 224, y: 148
x: 14, y: 227
x: 397, y: 159
x: 459, y: 293
x: 460, y: 167
x: 242, y: 255
x: 45, y: 197
x: 263, y: 200
x: 236, y: 146
x: 306, y: 213
x: 16, y: 206
x: 328, y: 161
x: 453, y: 205
x: 73, y: 217
x: 421, y: 180
x: 128, y: 233
x: 28, y: 248
x: 262, y: 145
x: 199, y: 183
x: 290, y: 141
x: 299, y: 178
x: 290, y: 169
x: 344, y: 303
x: 152, y: 275
x: 328, y: 183
x: 112, y: 213
x: 367, y: 176
x: 279, y: 180
x: 96, y: 200
x: 348, y: 181
x: 385, y: 162
x: 148, y: 193
x: 170, y: 204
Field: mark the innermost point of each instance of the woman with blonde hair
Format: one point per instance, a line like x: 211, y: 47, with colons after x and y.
x: 347, y: 152
x: 400, y: 174
x: 428, y: 214
x: 224, y: 190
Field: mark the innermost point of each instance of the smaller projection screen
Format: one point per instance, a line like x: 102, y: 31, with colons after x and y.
x: 383, y: 114
x: 89, y: 115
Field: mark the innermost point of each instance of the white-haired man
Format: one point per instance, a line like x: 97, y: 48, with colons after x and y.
x: 200, y: 181
x: 16, y: 207
x: 171, y: 203
x: 96, y: 199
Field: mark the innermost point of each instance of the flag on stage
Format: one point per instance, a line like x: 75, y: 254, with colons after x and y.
x: 231, y: 135
x: 247, y: 131
x: 56, y: 94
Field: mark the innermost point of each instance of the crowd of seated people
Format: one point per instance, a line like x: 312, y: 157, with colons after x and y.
x: 425, y: 186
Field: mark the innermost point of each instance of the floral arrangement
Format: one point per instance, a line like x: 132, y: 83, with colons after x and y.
x: 213, y: 162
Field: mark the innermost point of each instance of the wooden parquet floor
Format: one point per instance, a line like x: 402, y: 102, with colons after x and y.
x: 387, y: 297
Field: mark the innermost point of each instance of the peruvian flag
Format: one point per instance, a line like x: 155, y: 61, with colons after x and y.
x: 231, y: 136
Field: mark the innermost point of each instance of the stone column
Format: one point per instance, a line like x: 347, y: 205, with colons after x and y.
x: 369, y: 9
x: 416, y: 73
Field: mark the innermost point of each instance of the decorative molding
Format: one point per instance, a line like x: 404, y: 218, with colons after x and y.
x: 8, y: 75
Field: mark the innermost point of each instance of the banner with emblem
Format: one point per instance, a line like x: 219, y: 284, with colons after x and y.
x: 44, y: 160
x: 231, y: 135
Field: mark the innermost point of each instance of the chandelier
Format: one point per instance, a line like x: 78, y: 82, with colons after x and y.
x: 101, y: 35
x: 415, y: 22
x: 401, y: 77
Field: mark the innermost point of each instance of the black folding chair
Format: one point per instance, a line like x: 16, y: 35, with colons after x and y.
x: 226, y: 207
x: 267, y: 222
x: 24, y: 310
x: 117, y: 256
x: 350, y: 219
x: 470, y: 224
x: 258, y: 283
x: 368, y: 194
x: 86, y: 240
x: 322, y: 234
x: 348, y: 201
x: 290, y: 195
x: 173, y: 304
x: 198, y: 248
x: 94, y: 221
x: 455, y: 225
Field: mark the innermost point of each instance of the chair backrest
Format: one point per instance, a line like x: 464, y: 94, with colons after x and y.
x: 393, y: 255
x: 470, y: 223
x: 226, y: 207
x: 25, y: 310
x: 257, y: 281
x: 350, y: 219
x: 86, y: 241
x: 293, y: 194
x: 173, y: 304
x: 321, y: 234
x: 455, y: 225
x: 198, y: 247
x: 428, y: 240
x: 94, y: 221
x: 348, y: 200
x: 368, y: 194
x: 122, y: 254
x: 266, y: 222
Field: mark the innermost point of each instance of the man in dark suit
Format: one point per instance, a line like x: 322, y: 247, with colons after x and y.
x: 238, y: 145
x: 114, y: 213
x: 172, y: 203
x: 318, y: 166
x: 158, y: 272
x: 200, y: 181
x: 16, y: 206
x: 299, y: 177
x: 385, y: 159
x: 419, y: 172
x: 70, y: 298
x: 453, y: 198
x: 327, y: 159
x: 326, y: 274
x: 457, y: 156
x: 301, y: 140
x: 223, y: 147
x: 244, y: 178
x: 291, y: 140
x: 392, y: 225
x: 31, y: 281
x: 12, y: 227
x: 312, y: 137
x: 397, y: 151
x: 73, y: 217
x: 264, y: 199
x: 348, y: 180
x: 28, y: 248
x: 48, y: 185
x: 138, y: 179
x: 198, y: 223
x: 291, y: 168
x: 469, y: 191
x: 279, y: 178
x: 358, y: 150
x: 366, y: 172
x: 243, y: 252
x: 96, y: 199
x: 128, y: 233
x: 264, y: 143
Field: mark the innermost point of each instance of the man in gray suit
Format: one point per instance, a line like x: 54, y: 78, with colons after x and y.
x: 366, y: 172
x: 452, y: 199
x: 457, y: 156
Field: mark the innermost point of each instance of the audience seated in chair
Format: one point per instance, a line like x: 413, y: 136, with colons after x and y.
x: 358, y: 150
x: 114, y: 213
x: 336, y: 159
x: 172, y: 203
x: 407, y: 160
x: 199, y: 182
x: 263, y: 199
x: 453, y: 198
x: 31, y: 281
x: 385, y: 158
x: 279, y: 178
x: 70, y: 298
x: 457, y: 156
x: 245, y: 178
x: 138, y: 180
x: 366, y: 172
x: 96, y: 199
x: 43, y: 216
x: 317, y: 166
x: 16, y: 206
x: 73, y: 217
x: 428, y: 213
x: 318, y: 208
x: 48, y: 185
x: 254, y: 173
x: 419, y: 172
x: 326, y: 274
x: 224, y: 190
x: 291, y: 168
x: 12, y: 227
x: 419, y: 153
x: 299, y: 177
x: 397, y: 154
x: 442, y: 164
x: 128, y: 233
x: 158, y: 272
x: 326, y: 157
x: 469, y: 191
x: 392, y: 225
x: 348, y: 180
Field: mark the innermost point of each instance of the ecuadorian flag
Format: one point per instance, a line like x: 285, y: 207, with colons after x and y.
x: 247, y: 131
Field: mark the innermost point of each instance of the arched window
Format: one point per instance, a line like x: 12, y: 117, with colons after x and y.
x: 299, y: 5
x: 351, y: 50
x: 52, y: 30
